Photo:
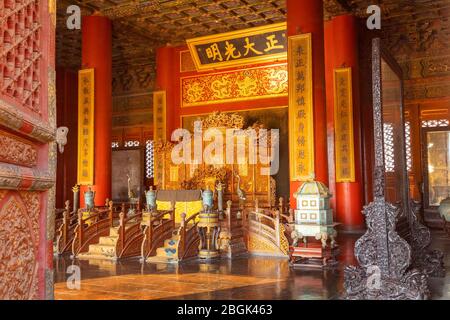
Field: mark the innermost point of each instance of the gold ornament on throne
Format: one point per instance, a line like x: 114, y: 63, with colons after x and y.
x: 206, y: 178
x: 223, y: 120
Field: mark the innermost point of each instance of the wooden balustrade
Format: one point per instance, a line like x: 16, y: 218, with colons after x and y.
x: 65, y: 231
x: 156, y: 232
x: 130, y: 234
x: 189, y: 238
x: 89, y: 229
x: 268, y: 226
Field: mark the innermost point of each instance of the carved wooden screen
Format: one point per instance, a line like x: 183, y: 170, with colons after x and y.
x: 27, y: 148
x: 390, y: 145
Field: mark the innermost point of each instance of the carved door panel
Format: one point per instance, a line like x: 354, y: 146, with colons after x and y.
x: 27, y: 148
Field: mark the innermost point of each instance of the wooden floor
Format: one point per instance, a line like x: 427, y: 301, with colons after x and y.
x: 241, y: 278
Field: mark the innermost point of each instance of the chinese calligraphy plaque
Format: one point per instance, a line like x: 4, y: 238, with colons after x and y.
x: 86, y: 127
x: 301, y: 126
x: 159, y: 115
x: 249, y: 46
x: 343, y: 125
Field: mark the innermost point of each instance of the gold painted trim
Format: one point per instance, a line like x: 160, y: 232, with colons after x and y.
x: 231, y: 35
x: 228, y: 111
x: 346, y: 72
x: 212, y: 102
x: 294, y: 160
x: 14, y: 119
x: 90, y: 157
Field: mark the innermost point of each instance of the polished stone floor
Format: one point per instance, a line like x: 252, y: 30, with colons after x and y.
x: 241, y: 278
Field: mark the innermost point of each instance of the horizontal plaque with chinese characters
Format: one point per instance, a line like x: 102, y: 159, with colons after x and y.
x: 301, y: 125
x: 243, y: 47
x: 86, y: 96
x: 343, y: 125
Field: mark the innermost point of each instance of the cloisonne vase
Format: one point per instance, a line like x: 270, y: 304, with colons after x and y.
x: 207, y: 197
x: 150, y: 197
x: 89, y: 197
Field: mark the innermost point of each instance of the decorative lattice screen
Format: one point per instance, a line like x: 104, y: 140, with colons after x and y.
x: 389, y: 161
x: 149, y: 159
x: 408, y: 145
x: 20, y: 51
x: 435, y: 123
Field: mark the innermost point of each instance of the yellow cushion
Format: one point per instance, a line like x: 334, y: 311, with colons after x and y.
x: 163, y: 205
x: 188, y: 207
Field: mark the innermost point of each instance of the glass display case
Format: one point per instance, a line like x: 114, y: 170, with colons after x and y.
x: 436, y: 166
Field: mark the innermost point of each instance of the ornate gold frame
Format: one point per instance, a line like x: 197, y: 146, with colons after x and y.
x: 229, y: 100
x: 232, y: 35
x: 347, y: 73
x: 230, y: 111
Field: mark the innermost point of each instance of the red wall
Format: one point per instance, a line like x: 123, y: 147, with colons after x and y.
x: 67, y: 115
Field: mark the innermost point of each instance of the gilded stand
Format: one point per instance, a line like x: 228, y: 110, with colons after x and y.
x: 208, y: 228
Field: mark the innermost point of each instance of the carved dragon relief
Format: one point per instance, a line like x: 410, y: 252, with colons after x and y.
x: 383, y: 251
x: 424, y: 258
x: 389, y: 266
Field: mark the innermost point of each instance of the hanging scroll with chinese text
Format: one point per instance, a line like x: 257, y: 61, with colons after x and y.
x: 343, y: 125
x: 86, y: 127
x: 159, y: 116
x: 301, y: 125
x: 242, y: 47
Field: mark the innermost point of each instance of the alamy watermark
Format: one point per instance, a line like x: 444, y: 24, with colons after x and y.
x: 73, y: 21
x: 74, y: 279
x: 234, y: 146
x: 374, y: 278
x: 374, y: 20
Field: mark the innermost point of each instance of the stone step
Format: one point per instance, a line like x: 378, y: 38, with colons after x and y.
x: 102, y: 249
x: 171, y: 243
x: 166, y: 252
x: 164, y: 260
x: 114, y: 232
x: 111, y: 240
x: 94, y: 257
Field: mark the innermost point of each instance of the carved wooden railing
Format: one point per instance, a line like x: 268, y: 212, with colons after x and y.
x: 88, y: 230
x: 286, y: 213
x: 159, y: 229
x: 59, y: 219
x: 232, y: 234
x: 65, y: 231
x: 268, y: 225
x: 130, y: 233
x: 189, y: 239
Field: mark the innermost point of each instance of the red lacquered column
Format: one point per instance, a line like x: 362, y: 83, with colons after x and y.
x: 329, y: 65
x: 97, y: 54
x: 343, y: 51
x: 165, y: 74
x: 306, y: 16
